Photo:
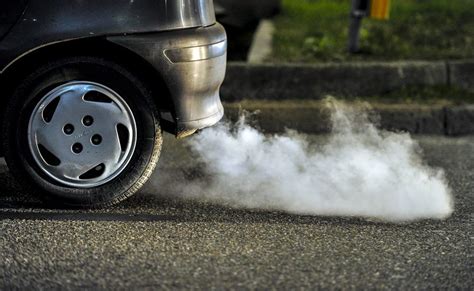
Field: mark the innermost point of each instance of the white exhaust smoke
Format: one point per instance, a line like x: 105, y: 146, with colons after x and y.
x: 360, y: 171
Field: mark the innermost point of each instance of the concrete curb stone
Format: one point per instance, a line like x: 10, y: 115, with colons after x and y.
x: 461, y: 74
x: 297, y: 81
x: 261, y: 47
x: 280, y: 82
x: 273, y: 117
x: 460, y: 120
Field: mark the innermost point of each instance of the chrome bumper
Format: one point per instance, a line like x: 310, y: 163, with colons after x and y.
x: 192, y: 63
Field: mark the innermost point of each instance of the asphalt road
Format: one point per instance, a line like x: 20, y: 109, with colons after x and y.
x: 151, y: 241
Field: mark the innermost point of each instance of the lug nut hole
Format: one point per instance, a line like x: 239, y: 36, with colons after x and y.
x: 68, y: 129
x: 96, y: 139
x: 77, y: 148
x: 87, y: 120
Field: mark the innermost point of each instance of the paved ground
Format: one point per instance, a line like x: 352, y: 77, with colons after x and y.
x: 155, y: 242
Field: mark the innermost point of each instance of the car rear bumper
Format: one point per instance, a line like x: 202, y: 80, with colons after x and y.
x: 192, y: 63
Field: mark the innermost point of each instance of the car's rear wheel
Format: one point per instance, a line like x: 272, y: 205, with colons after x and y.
x: 83, y: 132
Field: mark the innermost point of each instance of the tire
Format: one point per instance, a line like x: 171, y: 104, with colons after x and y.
x: 119, y: 142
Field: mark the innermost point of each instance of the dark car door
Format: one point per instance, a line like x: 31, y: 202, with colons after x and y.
x: 10, y: 10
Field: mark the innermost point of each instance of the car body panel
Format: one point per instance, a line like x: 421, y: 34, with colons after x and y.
x: 9, y: 14
x: 49, y: 21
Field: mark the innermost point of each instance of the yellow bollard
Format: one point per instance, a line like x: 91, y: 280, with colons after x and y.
x: 379, y: 9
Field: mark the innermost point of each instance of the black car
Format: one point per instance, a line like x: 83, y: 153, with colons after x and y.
x: 88, y: 86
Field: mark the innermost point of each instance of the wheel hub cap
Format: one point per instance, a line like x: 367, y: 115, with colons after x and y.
x: 82, y: 134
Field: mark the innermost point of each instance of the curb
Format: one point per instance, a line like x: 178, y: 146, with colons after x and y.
x: 313, y: 117
x: 261, y: 47
x: 314, y: 81
x: 461, y: 74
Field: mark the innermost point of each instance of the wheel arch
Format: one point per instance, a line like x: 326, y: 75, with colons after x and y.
x: 93, y: 47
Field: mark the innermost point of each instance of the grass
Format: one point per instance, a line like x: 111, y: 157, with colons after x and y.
x: 316, y: 31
